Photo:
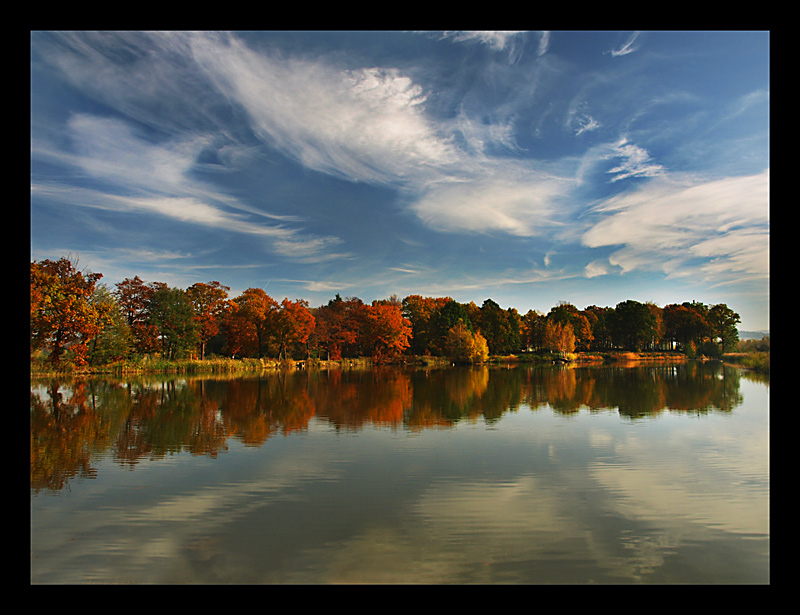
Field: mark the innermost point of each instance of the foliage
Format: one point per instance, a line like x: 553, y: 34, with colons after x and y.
x: 291, y: 325
x: 74, y: 321
x: 208, y: 302
x: 114, y: 341
x: 465, y: 346
x: 62, y: 313
x: 386, y: 333
x: 172, y: 315
x: 559, y: 337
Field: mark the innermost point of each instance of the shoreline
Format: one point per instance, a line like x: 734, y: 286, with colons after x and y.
x: 218, y: 365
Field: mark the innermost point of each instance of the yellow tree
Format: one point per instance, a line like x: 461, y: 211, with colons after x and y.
x: 559, y: 337
x: 464, y: 346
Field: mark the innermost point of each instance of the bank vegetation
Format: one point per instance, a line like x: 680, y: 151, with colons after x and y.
x: 79, y: 324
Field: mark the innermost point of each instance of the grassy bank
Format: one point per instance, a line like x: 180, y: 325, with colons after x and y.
x: 587, y: 358
x: 214, y: 365
x: 756, y: 361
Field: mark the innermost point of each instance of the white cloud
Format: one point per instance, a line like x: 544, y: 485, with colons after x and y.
x: 636, y: 162
x: 495, y: 39
x: 108, y: 149
x: 627, y: 47
x: 597, y: 268
x: 515, y: 201
x: 544, y: 43
x: 366, y: 124
x: 717, y: 230
x: 586, y: 124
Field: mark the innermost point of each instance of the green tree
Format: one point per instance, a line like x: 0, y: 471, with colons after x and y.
x: 724, y: 321
x: 172, y: 315
x: 634, y: 325
x: 686, y: 324
x: 601, y: 320
x: 447, y: 316
x: 114, y: 340
x: 499, y: 327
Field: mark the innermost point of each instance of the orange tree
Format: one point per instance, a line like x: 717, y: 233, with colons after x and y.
x: 62, y: 313
x: 387, y: 332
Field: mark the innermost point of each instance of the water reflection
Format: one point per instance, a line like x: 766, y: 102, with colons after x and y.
x: 151, y: 418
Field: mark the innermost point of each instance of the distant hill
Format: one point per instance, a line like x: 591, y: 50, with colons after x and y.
x: 753, y: 335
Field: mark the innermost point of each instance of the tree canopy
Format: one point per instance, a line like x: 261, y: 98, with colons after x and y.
x: 72, y: 316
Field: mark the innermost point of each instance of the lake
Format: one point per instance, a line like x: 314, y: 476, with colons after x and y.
x: 464, y: 475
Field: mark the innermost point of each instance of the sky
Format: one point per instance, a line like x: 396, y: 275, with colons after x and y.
x: 530, y: 168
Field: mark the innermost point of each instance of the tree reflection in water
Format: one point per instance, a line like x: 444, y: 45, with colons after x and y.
x: 149, y: 418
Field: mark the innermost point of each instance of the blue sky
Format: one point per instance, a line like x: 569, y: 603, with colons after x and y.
x: 526, y: 167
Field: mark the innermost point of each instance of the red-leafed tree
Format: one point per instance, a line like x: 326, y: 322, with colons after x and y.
x: 339, y: 326
x: 134, y: 297
x: 208, y: 301
x: 247, y: 322
x: 291, y: 325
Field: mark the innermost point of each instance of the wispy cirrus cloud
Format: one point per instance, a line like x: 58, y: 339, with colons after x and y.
x: 462, y: 150
x: 140, y: 177
x: 365, y: 124
x: 717, y: 230
x: 629, y: 46
x: 498, y: 40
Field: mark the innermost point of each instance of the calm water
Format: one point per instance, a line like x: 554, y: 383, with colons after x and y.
x: 462, y: 475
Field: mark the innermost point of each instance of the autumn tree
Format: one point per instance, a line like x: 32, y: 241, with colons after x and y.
x: 657, y: 328
x: 62, y: 314
x: 465, y: 346
x: 291, y: 325
x: 134, y: 296
x: 208, y: 301
x: 339, y: 325
x: 248, y: 322
x: 558, y: 336
x: 566, y: 313
x: 532, y: 327
x: 386, y: 333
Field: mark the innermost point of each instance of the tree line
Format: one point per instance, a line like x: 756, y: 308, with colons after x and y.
x: 75, y: 317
